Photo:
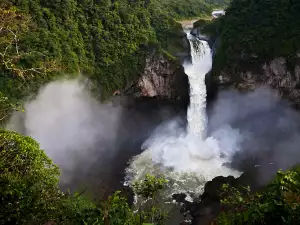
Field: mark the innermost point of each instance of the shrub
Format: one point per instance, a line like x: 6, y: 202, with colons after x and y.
x: 28, y: 181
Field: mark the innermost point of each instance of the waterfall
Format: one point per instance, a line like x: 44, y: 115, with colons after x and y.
x: 201, y: 65
x: 190, y: 157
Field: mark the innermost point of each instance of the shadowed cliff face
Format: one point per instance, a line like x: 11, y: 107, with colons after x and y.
x: 163, y: 77
x: 249, y: 74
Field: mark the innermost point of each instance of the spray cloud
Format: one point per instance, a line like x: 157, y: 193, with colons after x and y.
x: 71, y: 126
x: 268, y: 126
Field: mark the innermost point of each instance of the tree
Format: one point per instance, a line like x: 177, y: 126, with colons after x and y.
x: 16, y: 65
x: 7, y: 107
x: 148, y: 191
x: 116, y: 211
x: 28, y: 181
x: 13, y: 25
x: 279, y: 203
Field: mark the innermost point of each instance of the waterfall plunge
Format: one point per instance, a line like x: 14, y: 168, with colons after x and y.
x: 201, y: 64
x: 188, y: 158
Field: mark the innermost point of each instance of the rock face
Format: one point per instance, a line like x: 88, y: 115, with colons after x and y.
x: 183, y: 48
x: 162, y: 77
x: 207, y: 207
x: 279, y: 73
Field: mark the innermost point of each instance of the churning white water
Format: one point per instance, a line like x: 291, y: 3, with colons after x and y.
x: 201, y: 64
x: 187, y: 157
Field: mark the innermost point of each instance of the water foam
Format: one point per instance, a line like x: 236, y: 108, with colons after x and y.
x: 188, y: 158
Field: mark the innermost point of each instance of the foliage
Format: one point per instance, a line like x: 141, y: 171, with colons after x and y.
x: 279, y: 203
x: 189, y: 9
x: 148, y: 203
x: 13, y: 58
x: 116, y: 211
x: 15, y: 67
x: 7, y: 107
x: 149, y: 187
x: 28, y: 180
x: 29, y: 192
x: 266, y: 29
x: 105, y: 40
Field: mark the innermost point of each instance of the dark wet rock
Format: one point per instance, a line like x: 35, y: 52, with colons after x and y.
x: 204, y: 209
x: 180, y: 198
x: 163, y: 77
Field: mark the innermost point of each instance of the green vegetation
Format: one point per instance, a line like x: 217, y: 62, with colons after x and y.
x: 30, y: 193
x: 107, y: 41
x: 264, y: 29
x: 279, y: 203
x: 28, y: 180
x: 190, y: 9
x: 186, y: 9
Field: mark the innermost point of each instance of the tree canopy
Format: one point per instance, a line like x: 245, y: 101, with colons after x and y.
x: 28, y: 180
x: 105, y: 40
x: 264, y: 29
x: 29, y: 191
x: 278, y: 203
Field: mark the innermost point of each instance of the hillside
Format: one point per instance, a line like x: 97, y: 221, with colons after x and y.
x: 265, y: 28
x: 107, y: 41
x: 257, y: 44
x: 114, y: 43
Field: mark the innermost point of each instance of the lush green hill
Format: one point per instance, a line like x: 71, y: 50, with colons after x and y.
x: 265, y: 29
x: 104, y: 40
x: 184, y: 9
x: 99, y: 39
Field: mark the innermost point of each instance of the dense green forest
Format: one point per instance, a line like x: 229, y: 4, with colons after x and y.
x: 278, y: 203
x: 106, y: 41
x: 192, y: 8
x: 264, y: 29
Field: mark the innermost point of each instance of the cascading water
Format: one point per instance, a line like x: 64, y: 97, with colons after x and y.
x: 201, y: 64
x: 187, y: 157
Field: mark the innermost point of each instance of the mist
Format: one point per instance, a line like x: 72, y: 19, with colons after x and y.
x: 70, y: 126
x: 268, y: 127
x: 254, y: 133
x: 90, y: 141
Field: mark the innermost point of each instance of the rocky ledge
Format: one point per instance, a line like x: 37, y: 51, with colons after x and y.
x: 249, y: 73
x: 203, y: 210
x: 163, y: 77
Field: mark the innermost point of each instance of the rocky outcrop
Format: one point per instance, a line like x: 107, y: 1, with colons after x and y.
x: 280, y: 73
x: 181, y: 47
x: 207, y: 31
x: 203, y: 210
x: 162, y: 77
x: 207, y: 207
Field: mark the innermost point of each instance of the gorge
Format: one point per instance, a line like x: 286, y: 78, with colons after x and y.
x: 123, y: 98
x: 187, y: 156
x: 189, y: 149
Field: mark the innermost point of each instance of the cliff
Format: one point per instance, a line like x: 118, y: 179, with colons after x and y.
x: 279, y: 73
x: 163, y: 77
